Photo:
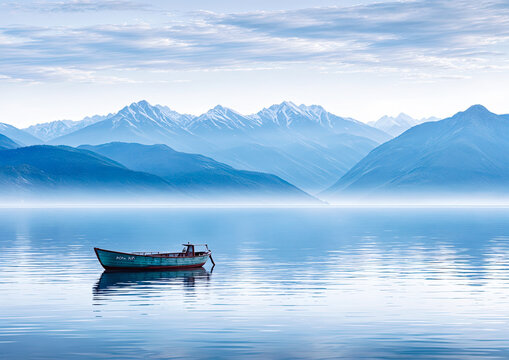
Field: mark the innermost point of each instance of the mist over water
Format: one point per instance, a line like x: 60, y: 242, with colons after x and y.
x: 289, y: 283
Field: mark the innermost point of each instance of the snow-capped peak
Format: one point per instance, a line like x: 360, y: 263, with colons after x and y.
x: 288, y: 114
x: 220, y: 118
x: 142, y: 112
x: 396, y: 125
x: 285, y: 107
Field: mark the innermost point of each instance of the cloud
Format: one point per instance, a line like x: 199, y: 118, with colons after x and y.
x: 79, y: 6
x: 427, y: 39
x: 411, y: 30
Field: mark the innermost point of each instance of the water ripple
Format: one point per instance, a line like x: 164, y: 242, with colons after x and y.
x: 293, y: 284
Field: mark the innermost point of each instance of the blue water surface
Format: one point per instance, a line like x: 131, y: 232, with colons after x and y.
x: 289, y: 284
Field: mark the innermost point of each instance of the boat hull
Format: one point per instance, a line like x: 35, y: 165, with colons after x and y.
x: 113, y: 260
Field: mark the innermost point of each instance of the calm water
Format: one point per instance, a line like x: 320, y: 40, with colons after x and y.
x: 288, y: 284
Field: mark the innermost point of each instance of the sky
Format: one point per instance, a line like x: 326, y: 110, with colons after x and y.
x: 62, y: 59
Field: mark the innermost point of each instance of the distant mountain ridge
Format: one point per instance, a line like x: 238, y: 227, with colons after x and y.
x: 139, y: 123
x: 19, y: 136
x: 220, y: 118
x: 50, y: 130
x: 399, y: 124
x: 290, y: 116
x: 466, y: 153
x: 285, y: 116
x: 463, y: 154
x: 305, y: 145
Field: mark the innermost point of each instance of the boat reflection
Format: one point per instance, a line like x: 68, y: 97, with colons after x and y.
x: 148, y: 282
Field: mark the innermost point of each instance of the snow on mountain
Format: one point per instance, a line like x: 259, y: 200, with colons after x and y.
x: 305, y: 145
x: 50, y: 130
x: 182, y: 119
x: 399, y: 124
x: 139, y: 122
x: 289, y: 115
x: 143, y: 114
x: 135, y: 115
x: 315, y: 118
x: 321, y: 146
x: 54, y: 129
x: 286, y: 114
x: 222, y: 119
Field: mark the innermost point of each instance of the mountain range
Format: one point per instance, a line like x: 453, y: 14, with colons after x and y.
x: 305, y: 145
x: 463, y: 154
x: 139, y: 122
x: 396, y: 125
x: 50, y: 130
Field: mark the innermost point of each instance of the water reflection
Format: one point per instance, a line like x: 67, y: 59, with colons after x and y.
x: 148, y: 282
x: 289, y: 284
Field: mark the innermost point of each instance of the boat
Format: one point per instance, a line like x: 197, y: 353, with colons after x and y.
x: 186, y: 259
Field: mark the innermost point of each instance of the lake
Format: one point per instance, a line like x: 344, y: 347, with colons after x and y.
x: 315, y: 283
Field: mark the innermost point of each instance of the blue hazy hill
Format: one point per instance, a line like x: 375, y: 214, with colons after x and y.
x: 464, y: 153
x: 21, y: 137
x: 194, y: 173
x: 6, y: 143
x: 309, y: 164
x: 60, y: 168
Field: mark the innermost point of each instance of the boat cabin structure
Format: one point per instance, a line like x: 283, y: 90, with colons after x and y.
x: 189, y: 250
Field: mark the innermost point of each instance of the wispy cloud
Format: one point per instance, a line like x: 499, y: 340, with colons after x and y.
x: 422, y: 39
x: 79, y: 6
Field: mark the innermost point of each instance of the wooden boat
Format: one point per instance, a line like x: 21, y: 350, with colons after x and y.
x: 188, y: 258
